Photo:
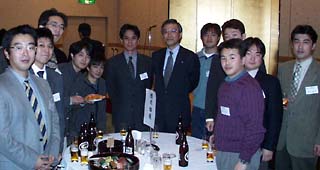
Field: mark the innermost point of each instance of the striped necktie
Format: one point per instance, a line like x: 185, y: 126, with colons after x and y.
x: 37, y: 112
x: 295, y: 82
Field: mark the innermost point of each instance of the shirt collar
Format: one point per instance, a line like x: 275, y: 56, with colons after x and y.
x: 305, y: 64
x: 20, y: 78
x: 174, y: 51
x: 35, y: 68
x: 253, y: 72
x: 228, y: 79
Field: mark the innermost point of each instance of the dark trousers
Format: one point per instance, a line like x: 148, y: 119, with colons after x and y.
x: 285, y: 161
x: 198, y: 122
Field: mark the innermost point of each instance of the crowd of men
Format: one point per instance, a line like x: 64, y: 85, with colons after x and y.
x: 251, y: 115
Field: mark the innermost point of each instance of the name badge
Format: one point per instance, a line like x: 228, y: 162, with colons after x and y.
x: 143, y: 76
x: 312, y: 90
x: 225, y: 110
x: 207, y: 73
x: 56, y: 97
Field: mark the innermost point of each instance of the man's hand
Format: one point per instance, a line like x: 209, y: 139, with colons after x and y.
x: 316, y: 150
x: 44, y: 162
x: 209, y: 125
x: 75, y: 100
x: 266, y: 155
x: 240, y: 166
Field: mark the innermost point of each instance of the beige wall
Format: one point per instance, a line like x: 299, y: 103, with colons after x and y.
x: 292, y: 13
x: 27, y: 12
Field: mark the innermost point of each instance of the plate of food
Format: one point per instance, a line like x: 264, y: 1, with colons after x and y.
x: 113, y: 160
x: 94, y: 98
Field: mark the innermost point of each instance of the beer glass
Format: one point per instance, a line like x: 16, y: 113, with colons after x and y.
x: 84, y: 156
x: 205, y: 143
x: 167, y: 163
x: 100, y: 134
x: 74, y: 153
x: 155, y: 133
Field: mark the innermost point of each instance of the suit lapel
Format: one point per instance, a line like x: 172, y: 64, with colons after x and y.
x: 307, y: 80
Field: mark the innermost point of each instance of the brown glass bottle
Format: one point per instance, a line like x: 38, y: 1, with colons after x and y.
x: 179, y: 131
x: 83, y: 137
x: 129, y: 143
x: 184, y: 152
x: 92, y: 133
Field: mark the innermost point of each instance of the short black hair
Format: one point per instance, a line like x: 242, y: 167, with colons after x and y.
x: 248, y: 42
x: 76, y: 47
x: 84, y: 29
x: 171, y: 21
x: 96, y: 60
x: 45, y: 15
x: 44, y: 33
x: 2, y: 32
x: 232, y: 44
x: 210, y: 27
x: 305, y: 29
x: 21, y: 29
x: 126, y: 27
x: 235, y: 24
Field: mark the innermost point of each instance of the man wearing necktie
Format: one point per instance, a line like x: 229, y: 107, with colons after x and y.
x: 299, y: 141
x: 128, y: 75
x: 29, y: 123
x: 176, y: 70
x: 45, y: 46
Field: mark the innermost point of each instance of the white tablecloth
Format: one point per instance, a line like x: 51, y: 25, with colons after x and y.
x: 166, y: 143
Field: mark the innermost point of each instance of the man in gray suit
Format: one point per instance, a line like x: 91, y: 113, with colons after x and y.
x: 299, y: 142
x: 29, y: 124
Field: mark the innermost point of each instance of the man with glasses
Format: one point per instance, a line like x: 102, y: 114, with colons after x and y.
x: 176, y: 70
x: 29, y: 123
x: 56, y: 22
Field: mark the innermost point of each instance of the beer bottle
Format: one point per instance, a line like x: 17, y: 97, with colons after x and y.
x: 129, y: 143
x: 179, y: 131
x: 92, y: 133
x: 83, y: 137
x: 184, y: 152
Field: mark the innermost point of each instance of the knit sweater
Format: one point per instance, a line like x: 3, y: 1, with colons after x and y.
x: 239, y: 126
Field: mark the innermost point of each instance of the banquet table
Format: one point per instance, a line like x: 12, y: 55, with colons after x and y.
x: 166, y: 143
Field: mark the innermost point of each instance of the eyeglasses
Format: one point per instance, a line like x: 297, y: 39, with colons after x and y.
x: 56, y: 25
x: 164, y: 31
x: 20, y: 48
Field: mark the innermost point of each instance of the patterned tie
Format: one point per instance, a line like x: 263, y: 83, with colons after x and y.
x: 40, y: 73
x: 37, y: 112
x: 131, y: 67
x: 295, y: 82
x: 168, y: 69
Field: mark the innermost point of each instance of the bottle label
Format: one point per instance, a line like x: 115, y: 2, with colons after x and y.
x: 177, y: 135
x: 129, y: 150
x: 186, y: 157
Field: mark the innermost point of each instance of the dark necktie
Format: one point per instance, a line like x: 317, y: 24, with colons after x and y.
x: 168, y: 69
x: 40, y: 73
x: 131, y: 67
x: 37, y: 112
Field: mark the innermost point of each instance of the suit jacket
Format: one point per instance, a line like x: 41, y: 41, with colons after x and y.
x: 215, y: 79
x: 20, y: 143
x: 273, y: 110
x: 173, y: 100
x: 55, y: 81
x: 70, y: 81
x: 300, y: 125
x: 127, y: 94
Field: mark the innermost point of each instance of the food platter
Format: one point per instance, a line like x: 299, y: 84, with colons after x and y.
x: 114, y: 160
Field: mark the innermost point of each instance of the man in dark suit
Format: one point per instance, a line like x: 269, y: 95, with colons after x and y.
x: 56, y: 22
x: 255, y: 50
x: 44, y: 52
x: 84, y: 30
x: 29, y: 123
x: 128, y: 76
x: 299, y: 142
x: 177, y: 72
